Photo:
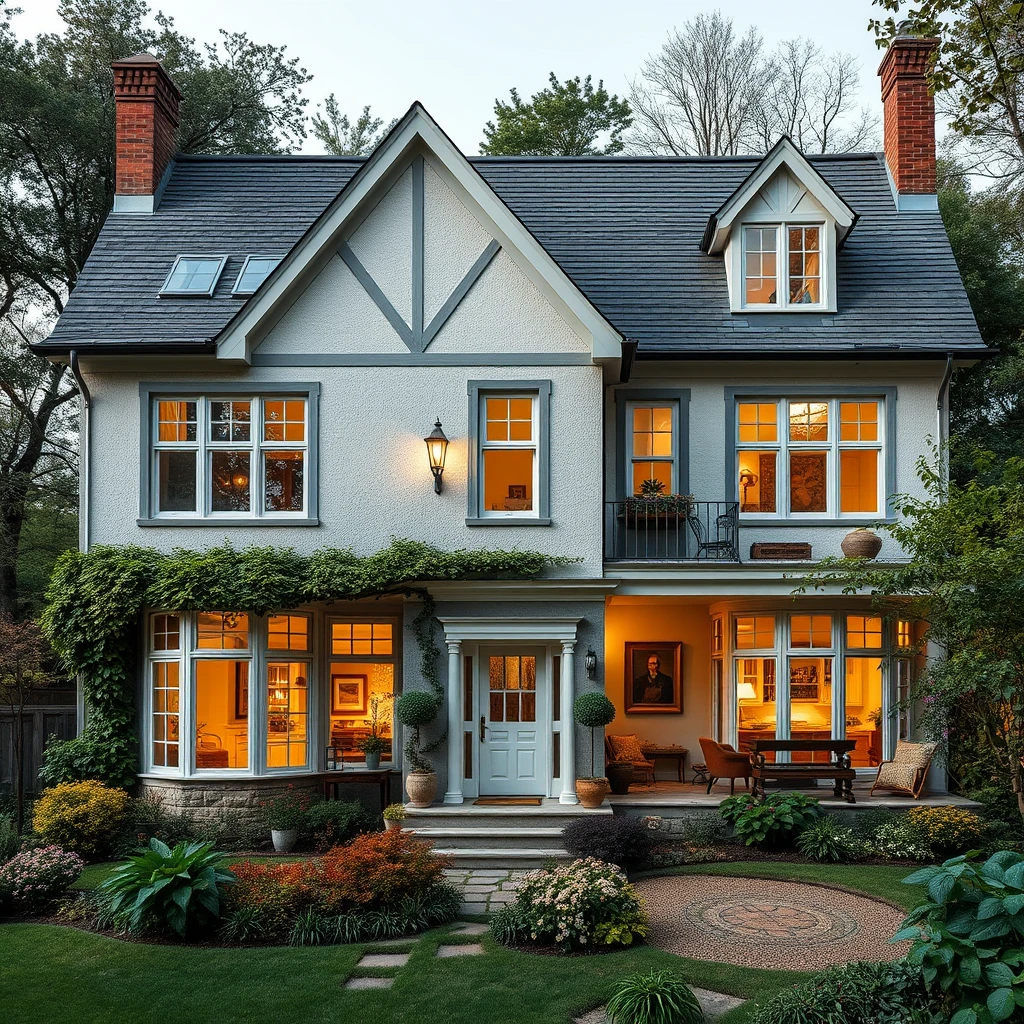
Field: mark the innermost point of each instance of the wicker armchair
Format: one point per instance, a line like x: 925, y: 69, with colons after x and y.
x: 907, y: 770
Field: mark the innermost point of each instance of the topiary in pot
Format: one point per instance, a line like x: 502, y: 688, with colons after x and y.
x: 413, y: 710
x: 593, y: 711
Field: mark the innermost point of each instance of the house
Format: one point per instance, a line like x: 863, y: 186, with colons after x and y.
x: 694, y: 376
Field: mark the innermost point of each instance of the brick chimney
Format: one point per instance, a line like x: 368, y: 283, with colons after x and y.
x: 146, y: 124
x: 909, y: 112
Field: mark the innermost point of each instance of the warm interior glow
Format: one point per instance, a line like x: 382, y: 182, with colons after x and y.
x: 858, y: 421
x: 165, y: 714
x: 755, y: 632
x: 508, y: 479
x: 758, y: 421
x: 808, y: 481
x: 864, y: 703
x: 858, y: 480
x: 808, y: 421
x: 288, y: 633
x: 756, y: 689
x: 222, y: 713
x: 810, y: 631
x: 804, y: 265
x: 354, y: 685
x: 757, y: 476
x: 287, y: 714
x: 746, y: 691
x: 761, y: 267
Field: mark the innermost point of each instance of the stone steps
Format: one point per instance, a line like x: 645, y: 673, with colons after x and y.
x: 523, y: 858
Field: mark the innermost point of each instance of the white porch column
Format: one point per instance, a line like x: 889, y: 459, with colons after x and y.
x: 453, y: 795
x: 567, y: 768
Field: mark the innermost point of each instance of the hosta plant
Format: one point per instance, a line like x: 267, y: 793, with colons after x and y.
x: 179, y: 889
x: 826, y: 840
x: 771, y: 822
x: 969, y: 937
x: 657, y: 997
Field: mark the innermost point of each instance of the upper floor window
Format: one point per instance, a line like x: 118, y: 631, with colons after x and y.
x: 810, y: 457
x: 229, y: 456
x: 782, y: 265
x: 508, y: 471
x: 194, y: 276
x: 255, y: 270
x: 653, y: 451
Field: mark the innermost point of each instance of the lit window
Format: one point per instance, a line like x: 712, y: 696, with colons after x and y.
x: 755, y: 632
x: 254, y: 272
x: 288, y: 633
x: 810, y: 631
x: 508, y: 455
x: 194, y: 275
x: 812, y: 468
x: 356, y: 638
x: 904, y: 634
x: 864, y: 631
x: 716, y: 635
x: 791, y: 278
x: 222, y: 631
x: 229, y: 456
x: 287, y: 714
x: 166, y: 633
x: 652, y: 454
x: 221, y: 713
x: 165, y: 695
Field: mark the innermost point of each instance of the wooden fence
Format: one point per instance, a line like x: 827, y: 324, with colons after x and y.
x: 38, y: 723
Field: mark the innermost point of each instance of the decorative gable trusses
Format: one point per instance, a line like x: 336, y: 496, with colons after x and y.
x: 402, y: 151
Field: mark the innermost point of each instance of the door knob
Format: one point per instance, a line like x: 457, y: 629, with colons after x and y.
x: 483, y: 728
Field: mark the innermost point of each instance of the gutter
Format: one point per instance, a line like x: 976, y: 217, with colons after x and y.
x: 942, y: 414
x: 84, y: 496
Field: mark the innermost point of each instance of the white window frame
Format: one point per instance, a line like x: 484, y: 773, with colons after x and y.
x: 236, y: 288
x: 532, y: 445
x: 833, y: 447
x: 632, y: 457
x: 178, y: 293
x: 204, y: 446
x: 782, y: 266
x: 279, y: 655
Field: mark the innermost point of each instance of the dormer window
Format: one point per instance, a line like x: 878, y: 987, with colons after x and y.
x: 795, y: 279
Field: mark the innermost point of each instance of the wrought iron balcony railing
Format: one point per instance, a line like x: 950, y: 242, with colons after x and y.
x: 671, y: 529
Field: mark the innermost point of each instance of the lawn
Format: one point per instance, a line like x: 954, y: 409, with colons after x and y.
x: 98, y: 980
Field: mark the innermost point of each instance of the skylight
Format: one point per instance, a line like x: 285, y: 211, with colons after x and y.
x: 254, y: 272
x: 194, y: 275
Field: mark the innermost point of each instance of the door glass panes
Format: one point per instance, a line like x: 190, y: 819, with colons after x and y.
x: 361, y: 638
x: 230, y: 421
x: 223, y: 631
x: 512, y: 682
x: 176, y: 421
x: 165, y: 697
x: 864, y: 721
x: 864, y: 631
x: 810, y: 700
x: 755, y: 632
x: 230, y: 484
x: 222, y: 713
x: 288, y: 633
x: 804, y: 265
x: 176, y: 476
x: 757, y: 481
x: 810, y: 631
x: 287, y: 714
x: 652, y: 449
x: 756, y: 695
x: 761, y: 267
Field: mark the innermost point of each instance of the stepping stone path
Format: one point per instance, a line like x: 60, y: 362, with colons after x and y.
x: 714, y: 1004
x: 397, y: 960
x: 465, y: 949
x: 361, y: 983
x: 484, y: 892
x: 384, y: 960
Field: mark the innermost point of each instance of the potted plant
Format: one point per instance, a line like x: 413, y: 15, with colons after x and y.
x: 620, y: 775
x: 286, y: 814
x: 394, y: 815
x: 373, y: 745
x: 593, y: 711
x: 413, y: 710
x: 651, y: 504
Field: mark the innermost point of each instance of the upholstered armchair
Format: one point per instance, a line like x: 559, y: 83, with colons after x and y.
x: 907, y: 770
x: 724, y: 762
x: 627, y: 748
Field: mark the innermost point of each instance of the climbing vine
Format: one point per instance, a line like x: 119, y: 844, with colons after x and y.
x: 96, y: 600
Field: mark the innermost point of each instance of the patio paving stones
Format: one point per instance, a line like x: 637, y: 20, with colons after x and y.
x: 384, y: 960
x: 470, y: 928
x: 484, y: 891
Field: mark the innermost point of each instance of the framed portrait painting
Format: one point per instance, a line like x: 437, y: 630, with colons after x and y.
x: 348, y: 694
x: 654, y: 678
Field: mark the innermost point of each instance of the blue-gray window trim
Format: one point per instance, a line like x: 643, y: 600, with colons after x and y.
x: 236, y: 289
x: 679, y: 396
x: 886, y: 393
x: 542, y: 388
x: 148, y: 390
x: 178, y: 293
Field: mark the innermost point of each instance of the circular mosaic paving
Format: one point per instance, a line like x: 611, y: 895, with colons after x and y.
x: 752, y: 918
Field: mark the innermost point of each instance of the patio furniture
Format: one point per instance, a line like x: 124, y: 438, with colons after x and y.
x: 627, y: 748
x: 700, y: 773
x: 838, y: 768
x: 724, y: 762
x: 907, y: 770
x: 342, y: 776
x: 672, y: 753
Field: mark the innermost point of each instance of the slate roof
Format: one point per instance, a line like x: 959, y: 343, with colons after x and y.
x: 626, y: 230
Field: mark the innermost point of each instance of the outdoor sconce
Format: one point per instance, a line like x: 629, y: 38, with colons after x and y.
x: 590, y: 662
x: 437, y: 448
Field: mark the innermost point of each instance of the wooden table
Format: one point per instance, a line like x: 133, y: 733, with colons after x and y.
x: 679, y: 753
x: 356, y: 776
x: 838, y: 769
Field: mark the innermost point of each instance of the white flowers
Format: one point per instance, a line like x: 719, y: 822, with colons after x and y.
x: 31, y: 878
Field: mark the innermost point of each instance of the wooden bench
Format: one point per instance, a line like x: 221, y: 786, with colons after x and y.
x: 838, y: 769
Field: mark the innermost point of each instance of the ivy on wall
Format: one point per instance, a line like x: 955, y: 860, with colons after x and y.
x: 96, y: 599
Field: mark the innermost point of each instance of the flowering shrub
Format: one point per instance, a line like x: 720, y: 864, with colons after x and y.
x: 585, y: 904
x: 81, y: 816
x: 770, y: 822
x: 29, y: 880
x: 901, y: 840
x: 948, y: 830
x: 287, y: 811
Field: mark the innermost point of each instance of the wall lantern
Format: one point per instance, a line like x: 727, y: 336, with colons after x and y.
x: 437, y: 448
x: 590, y: 661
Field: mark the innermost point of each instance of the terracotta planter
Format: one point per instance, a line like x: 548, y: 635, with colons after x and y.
x: 861, y: 543
x: 620, y: 775
x: 591, y: 792
x: 284, y: 839
x: 421, y: 787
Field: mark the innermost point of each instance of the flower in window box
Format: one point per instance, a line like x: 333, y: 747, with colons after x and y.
x: 652, y: 504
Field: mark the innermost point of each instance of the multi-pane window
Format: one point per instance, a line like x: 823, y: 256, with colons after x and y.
x: 810, y: 631
x: 222, y: 631
x: 754, y: 632
x: 287, y: 714
x: 508, y: 454
x: 352, y: 638
x: 792, y: 277
x: 652, y: 448
x: 288, y: 632
x: 826, y: 461
x: 239, y: 456
x: 864, y: 631
x: 165, y: 690
x: 193, y: 275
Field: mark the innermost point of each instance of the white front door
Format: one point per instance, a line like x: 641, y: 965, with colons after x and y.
x: 513, y: 728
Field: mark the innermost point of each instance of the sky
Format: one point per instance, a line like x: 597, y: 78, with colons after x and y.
x: 457, y: 57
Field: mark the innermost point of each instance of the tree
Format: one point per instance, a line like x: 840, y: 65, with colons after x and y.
x: 23, y: 654
x: 976, y: 75
x: 340, y: 137
x: 965, y: 545
x: 712, y: 92
x: 566, y: 119
x: 57, y: 185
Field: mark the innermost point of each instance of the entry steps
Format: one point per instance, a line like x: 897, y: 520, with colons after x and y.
x: 510, y: 837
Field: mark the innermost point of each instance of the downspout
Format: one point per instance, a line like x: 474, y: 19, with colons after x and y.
x: 83, y: 498
x: 942, y: 411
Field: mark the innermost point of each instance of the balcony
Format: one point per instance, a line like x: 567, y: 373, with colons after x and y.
x: 671, y: 530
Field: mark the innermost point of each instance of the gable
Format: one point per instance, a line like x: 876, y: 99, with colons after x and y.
x: 781, y: 197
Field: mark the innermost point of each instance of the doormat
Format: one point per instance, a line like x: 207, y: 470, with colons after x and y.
x: 508, y: 801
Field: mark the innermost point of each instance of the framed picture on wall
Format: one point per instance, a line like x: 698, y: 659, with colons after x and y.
x: 241, y: 691
x: 653, y: 678
x: 348, y: 694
